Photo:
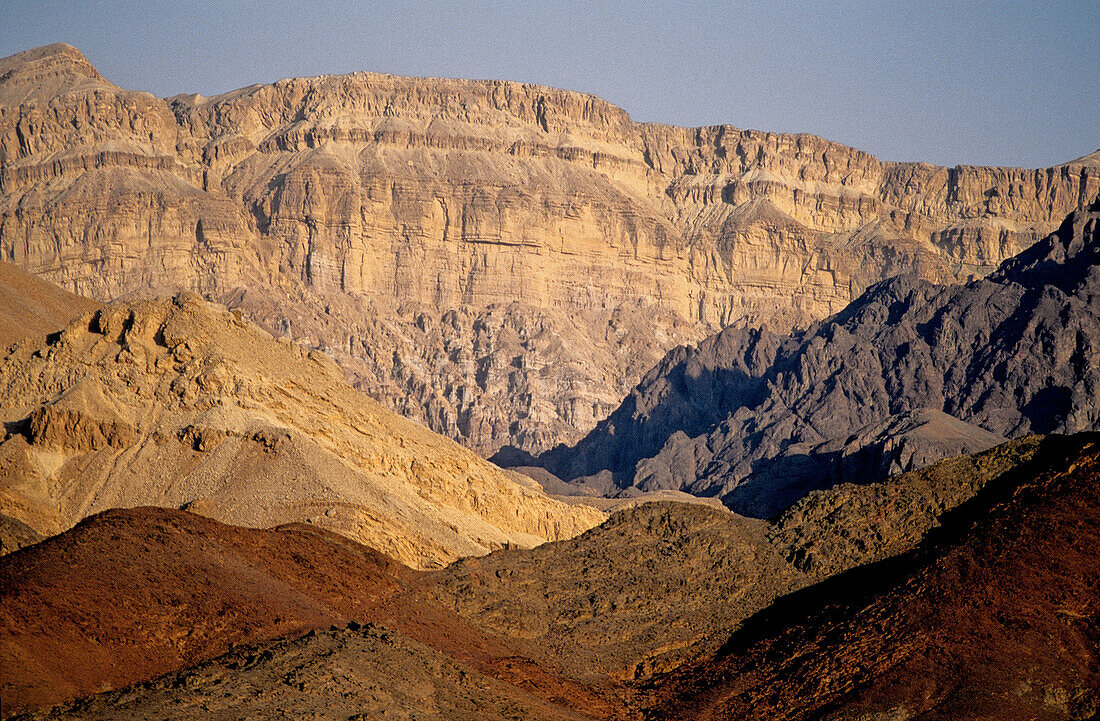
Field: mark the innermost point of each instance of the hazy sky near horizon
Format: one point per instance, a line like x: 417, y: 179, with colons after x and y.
x: 984, y: 83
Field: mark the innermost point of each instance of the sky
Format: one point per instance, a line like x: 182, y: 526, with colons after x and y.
x: 979, y: 83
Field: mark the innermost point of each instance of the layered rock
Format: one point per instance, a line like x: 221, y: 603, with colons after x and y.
x: 758, y: 419
x: 183, y: 404
x: 390, y: 197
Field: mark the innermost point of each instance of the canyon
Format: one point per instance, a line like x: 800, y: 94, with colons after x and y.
x: 501, y: 262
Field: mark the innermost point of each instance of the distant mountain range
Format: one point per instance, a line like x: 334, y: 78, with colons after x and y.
x: 502, y: 262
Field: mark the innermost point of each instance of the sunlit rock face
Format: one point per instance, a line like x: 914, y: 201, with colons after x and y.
x: 500, y: 261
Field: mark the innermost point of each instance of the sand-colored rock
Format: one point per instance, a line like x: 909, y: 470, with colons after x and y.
x: 31, y: 307
x: 350, y: 206
x: 180, y: 403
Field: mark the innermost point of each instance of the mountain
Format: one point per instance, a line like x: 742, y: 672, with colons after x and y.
x: 180, y: 403
x: 636, y: 613
x: 993, y: 617
x: 500, y: 261
x: 910, y: 372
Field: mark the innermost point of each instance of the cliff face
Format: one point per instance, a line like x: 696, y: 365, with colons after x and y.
x: 365, y: 213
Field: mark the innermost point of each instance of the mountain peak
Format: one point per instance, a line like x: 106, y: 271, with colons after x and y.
x: 45, y: 71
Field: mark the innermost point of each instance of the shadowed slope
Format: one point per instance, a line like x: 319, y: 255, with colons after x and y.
x: 993, y: 616
x: 758, y: 419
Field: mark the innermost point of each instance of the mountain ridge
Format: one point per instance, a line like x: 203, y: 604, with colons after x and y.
x: 363, y: 214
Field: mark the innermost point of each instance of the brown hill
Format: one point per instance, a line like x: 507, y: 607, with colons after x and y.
x: 502, y: 261
x: 183, y: 404
x: 130, y: 594
x: 581, y: 626
x: 995, y: 616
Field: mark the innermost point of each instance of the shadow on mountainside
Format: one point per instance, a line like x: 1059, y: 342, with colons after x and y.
x: 837, y: 596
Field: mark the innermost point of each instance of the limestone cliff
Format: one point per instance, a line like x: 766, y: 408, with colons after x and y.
x: 500, y: 261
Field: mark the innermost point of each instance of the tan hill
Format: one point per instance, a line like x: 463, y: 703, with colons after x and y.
x: 31, y: 307
x: 501, y: 261
x: 582, y: 627
x: 179, y: 403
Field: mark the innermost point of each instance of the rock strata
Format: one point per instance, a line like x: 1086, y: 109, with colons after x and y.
x: 364, y: 213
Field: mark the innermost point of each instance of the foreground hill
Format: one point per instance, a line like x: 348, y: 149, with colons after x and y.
x: 584, y: 627
x: 179, y: 403
x: 995, y: 616
x: 910, y: 372
x: 501, y: 261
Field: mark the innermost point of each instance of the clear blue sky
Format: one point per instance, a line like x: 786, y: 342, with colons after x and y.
x: 994, y: 83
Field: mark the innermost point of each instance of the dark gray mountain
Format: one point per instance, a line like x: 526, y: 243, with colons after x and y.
x: 759, y: 419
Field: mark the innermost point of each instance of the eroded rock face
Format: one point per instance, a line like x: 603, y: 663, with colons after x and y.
x: 885, y: 385
x: 387, y: 198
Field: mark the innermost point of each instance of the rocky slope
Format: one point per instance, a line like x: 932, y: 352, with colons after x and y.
x: 31, y: 307
x: 758, y: 419
x: 501, y: 261
x: 582, y: 627
x: 128, y: 595
x: 993, y: 617
x: 179, y: 403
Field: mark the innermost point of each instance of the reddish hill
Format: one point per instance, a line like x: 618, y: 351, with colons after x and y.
x: 995, y: 616
x: 130, y: 594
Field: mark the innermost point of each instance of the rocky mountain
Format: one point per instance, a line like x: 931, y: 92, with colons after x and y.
x: 993, y: 617
x: 910, y: 372
x: 180, y: 403
x: 500, y: 261
x: 590, y: 627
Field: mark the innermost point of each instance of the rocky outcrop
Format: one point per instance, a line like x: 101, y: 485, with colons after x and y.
x: 355, y: 209
x: 182, y: 404
x: 991, y: 616
x: 759, y: 419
